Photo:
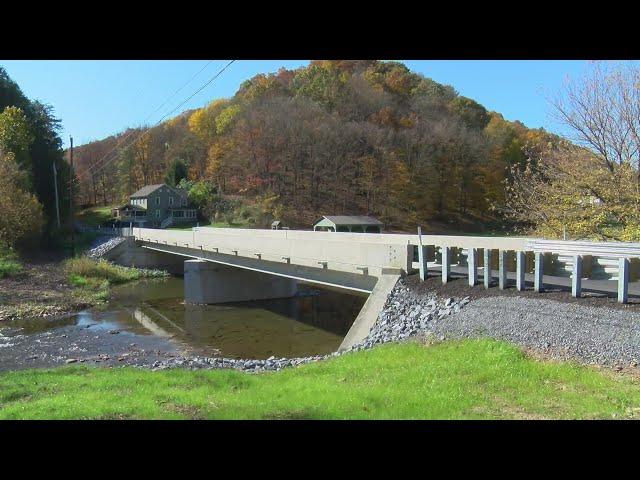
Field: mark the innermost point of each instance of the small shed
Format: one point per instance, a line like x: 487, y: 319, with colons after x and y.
x: 348, y: 223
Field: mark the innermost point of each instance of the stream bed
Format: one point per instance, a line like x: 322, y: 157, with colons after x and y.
x: 148, y: 321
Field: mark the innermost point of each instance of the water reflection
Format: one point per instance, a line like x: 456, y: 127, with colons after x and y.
x: 315, y: 322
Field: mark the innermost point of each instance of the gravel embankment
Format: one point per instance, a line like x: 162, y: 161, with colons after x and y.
x: 589, y: 334
x: 104, y: 246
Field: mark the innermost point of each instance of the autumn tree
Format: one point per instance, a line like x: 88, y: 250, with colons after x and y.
x: 22, y: 217
x: 586, y: 188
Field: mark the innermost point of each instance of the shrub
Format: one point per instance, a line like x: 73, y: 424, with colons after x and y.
x: 83, y: 271
x: 9, y: 264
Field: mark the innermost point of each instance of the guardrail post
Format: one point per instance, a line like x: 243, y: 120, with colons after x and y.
x: 473, y: 266
x: 422, y: 256
x: 487, y: 267
x: 520, y: 270
x: 623, y: 280
x: 576, y: 276
x: 446, y: 263
x: 502, y: 269
x: 539, y: 271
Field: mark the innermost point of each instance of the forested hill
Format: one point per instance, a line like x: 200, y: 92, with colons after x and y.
x: 335, y: 137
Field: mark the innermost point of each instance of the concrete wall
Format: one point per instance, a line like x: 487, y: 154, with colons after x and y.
x: 327, y: 251
x: 130, y: 254
x: 210, y: 283
x: 367, y: 317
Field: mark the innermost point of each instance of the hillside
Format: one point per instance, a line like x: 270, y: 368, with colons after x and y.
x: 335, y: 137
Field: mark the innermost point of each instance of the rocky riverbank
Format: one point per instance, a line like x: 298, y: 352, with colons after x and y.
x: 551, y: 324
x: 102, y: 247
x: 590, y: 331
x: 43, y: 289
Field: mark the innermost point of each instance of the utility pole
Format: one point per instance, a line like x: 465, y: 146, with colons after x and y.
x: 55, y: 186
x: 73, y: 236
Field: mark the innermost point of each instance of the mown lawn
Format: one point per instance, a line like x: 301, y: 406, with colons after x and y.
x: 92, y: 217
x: 470, y: 379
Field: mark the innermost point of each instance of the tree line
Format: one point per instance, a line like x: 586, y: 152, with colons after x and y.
x: 30, y: 146
x: 334, y: 137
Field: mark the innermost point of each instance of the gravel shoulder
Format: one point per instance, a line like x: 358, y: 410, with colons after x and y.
x: 592, y: 330
x: 569, y: 331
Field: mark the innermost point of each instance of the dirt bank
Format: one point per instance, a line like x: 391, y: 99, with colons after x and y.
x: 40, y: 290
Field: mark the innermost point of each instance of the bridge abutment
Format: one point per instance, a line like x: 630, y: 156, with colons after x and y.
x: 130, y: 254
x: 208, y: 283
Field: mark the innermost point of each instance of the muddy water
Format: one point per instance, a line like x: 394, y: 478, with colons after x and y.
x: 314, y: 322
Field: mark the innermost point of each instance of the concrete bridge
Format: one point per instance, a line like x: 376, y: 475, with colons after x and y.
x: 230, y: 265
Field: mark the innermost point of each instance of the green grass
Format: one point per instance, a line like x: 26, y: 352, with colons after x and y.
x: 92, y: 217
x: 470, y: 379
x: 9, y: 263
x: 190, y: 225
x: 81, y: 269
x: 237, y: 223
x: 92, y: 278
x: 9, y: 267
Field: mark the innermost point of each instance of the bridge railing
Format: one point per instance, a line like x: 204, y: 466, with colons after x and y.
x: 357, y: 251
x: 305, y: 249
x: 606, y: 257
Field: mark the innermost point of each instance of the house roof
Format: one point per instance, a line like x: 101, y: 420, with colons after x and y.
x: 350, y: 220
x: 146, y: 190
x: 149, y: 189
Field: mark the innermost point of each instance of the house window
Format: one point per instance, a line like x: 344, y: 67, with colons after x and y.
x: 158, y: 213
x: 170, y: 200
x: 184, y: 202
x: 157, y: 200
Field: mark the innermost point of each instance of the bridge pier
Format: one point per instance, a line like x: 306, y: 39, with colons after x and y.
x: 208, y: 282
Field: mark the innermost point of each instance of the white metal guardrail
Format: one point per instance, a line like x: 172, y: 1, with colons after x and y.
x: 596, y: 249
x: 576, y: 251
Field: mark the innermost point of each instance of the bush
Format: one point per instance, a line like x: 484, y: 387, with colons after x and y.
x: 85, y: 271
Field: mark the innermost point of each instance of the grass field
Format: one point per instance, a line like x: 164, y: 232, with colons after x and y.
x: 9, y: 263
x: 472, y: 379
x: 92, y: 217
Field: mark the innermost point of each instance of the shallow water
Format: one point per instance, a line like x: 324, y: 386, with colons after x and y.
x: 312, y: 323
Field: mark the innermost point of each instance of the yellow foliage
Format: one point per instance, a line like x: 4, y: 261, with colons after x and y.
x: 22, y: 215
x: 571, y: 190
x: 202, y: 122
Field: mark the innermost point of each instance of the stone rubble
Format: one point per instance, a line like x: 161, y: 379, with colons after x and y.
x: 404, y: 315
x: 104, y: 247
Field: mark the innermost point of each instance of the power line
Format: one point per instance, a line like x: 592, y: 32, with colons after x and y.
x: 122, y: 140
x: 95, y: 168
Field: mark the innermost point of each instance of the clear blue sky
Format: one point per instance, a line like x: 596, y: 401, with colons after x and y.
x: 95, y: 99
